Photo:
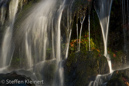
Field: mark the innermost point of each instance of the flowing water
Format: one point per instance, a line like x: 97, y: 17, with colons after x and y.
x: 103, y: 9
x: 77, y: 34
x: 67, y: 48
x: 7, y: 46
x: 37, y: 40
x: 69, y: 29
x: 81, y: 21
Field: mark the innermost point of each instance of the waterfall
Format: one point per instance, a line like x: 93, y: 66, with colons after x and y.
x: 37, y: 40
x: 81, y: 21
x: 39, y: 35
x: 69, y: 31
x: 59, y: 60
x: 7, y: 47
x: 103, y: 9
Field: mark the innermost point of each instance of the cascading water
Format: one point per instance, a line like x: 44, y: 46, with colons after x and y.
x: 69, y: 31
x: 103, y: 9
x: 7, y: 47
x: 37, y: 40
x: 58, y: 47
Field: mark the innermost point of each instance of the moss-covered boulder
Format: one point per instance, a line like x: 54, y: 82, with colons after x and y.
x: 82, y: 67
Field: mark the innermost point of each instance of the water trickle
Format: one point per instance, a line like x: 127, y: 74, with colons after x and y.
x: 67, y: 46
x: 89, y: 29
x: 81, y: 21
x: 103, y: 9
x: 77, y: 35
x: 69, y: 29
x: 28, y: 51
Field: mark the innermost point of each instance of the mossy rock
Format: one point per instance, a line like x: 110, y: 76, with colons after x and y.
x: 81, y: 68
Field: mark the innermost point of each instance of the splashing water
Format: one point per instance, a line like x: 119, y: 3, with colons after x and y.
x: 100, y: 80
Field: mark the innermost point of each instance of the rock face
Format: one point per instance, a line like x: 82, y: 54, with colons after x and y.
x: 13, y: 79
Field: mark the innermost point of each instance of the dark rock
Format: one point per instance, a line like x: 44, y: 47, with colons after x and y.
x: 13, y: 79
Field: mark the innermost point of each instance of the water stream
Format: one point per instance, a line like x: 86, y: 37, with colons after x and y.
x: 37, y: 41
x: 7, y: 44
x: 103, y: 9
x: 80, y: 34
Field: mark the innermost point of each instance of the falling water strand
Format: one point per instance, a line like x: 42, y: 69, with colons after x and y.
x: 58, y: 42
x: 81, y: 21
x: 68, y: 32
x: 77, y: 34
x: 28, y: 51
x: 7, y: 48
x: 53, y: 49
x: 103, y: 9
x: 89, y: 29
x: 68, y: 43
x: 58, y: 47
